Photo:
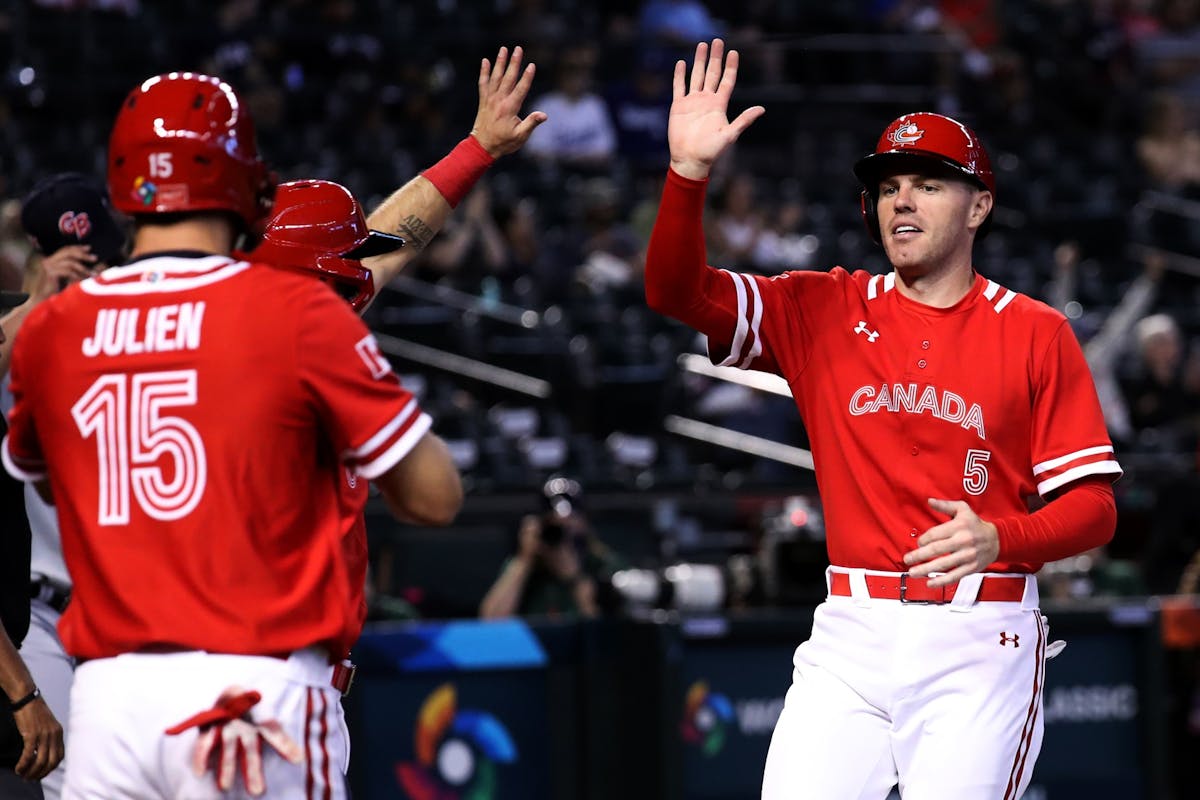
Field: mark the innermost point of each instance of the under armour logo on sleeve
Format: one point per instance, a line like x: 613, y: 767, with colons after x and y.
x: 862, y: 328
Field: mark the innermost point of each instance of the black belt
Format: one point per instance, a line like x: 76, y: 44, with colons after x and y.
x: 50, y: 592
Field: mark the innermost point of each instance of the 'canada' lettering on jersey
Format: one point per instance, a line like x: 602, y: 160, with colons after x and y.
x: 912, y: 399
x: 196, y: 418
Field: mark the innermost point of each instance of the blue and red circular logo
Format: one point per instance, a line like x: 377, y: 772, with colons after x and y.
x: 457, y: 751
x: 706, y: 715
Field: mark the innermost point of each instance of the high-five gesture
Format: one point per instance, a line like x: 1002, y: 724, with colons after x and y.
x: 502, y: 89
x: 699, y: 129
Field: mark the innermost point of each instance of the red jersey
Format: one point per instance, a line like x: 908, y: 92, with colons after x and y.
x: 193, y: 416
x: 989, y: 401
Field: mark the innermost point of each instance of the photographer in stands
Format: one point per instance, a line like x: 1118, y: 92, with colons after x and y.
x: 560, y: 567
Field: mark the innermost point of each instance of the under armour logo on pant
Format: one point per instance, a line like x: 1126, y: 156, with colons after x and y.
x: 862, y: 328
x: 1005, y: 639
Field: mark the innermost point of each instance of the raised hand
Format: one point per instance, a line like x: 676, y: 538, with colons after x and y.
x: 503, y: 88
x: 698, y: 129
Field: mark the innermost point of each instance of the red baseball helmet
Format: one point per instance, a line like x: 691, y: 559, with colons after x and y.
x: 319, y: 227
x: 923, y: 138
x: 185, y: 142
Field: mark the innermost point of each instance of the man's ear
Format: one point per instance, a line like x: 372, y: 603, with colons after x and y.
x: 981, y: 207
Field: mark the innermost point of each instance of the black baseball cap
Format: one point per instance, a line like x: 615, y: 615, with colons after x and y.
x: 71, y: 208
x: 12, y: 300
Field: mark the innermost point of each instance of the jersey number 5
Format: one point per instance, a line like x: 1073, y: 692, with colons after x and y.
x: 975, y: 474
x: 124, y: 414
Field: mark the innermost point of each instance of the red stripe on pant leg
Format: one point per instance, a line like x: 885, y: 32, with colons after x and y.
x: 308, y: 774
x: 1041, y: 651
x: 1030, y: 717
x: 324, y: 747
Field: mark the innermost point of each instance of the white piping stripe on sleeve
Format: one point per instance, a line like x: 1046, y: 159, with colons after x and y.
x: 739, y: 334
x: 992, y: 289
x: 889, y: 282
x: 13, y: 469
x: 756, y: 348
x: 873, y: 287
x: 373, y: 469
x: 1008, y: 298
x: 1038, y: 469
x: 1083, y: 470
x: 95, y: 287
x: 384, y: 433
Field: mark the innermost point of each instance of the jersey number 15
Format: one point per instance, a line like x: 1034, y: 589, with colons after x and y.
x: 125, y: 415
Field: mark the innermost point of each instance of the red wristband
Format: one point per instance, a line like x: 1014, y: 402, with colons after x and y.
x: 462, y: 167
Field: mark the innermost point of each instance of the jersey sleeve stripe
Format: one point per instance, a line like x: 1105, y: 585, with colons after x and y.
x: 755, y: 322
x: 1045, y: 466
x: 385, y: 433
x: 739, y: 333
x: 1009, y: 296
x: 991, y: 290
x: 888, y: 281
x: 27, y: 470
x: 1075, y: 473
x: 400, y: 448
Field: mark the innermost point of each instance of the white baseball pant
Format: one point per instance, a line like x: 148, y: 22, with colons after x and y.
x: 944, y: 700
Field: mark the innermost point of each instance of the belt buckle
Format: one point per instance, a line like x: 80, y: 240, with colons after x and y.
x: 343, y: 676
x: 904, y: 595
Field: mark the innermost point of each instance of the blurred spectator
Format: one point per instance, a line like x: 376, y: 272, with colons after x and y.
x: 560, y: 567
x: 608, y: 253
x: 538, y: 23
x: 15, y: 247
x: 639, y: 108
x: 1170, y: 58
x: 1137, y: 19
x: 677, y: 22
x: 471, y: 245
x: 1164, y: 396
x: 579, y: 132
x: 784, y: 244
x: 648, y: 190
x: 1169, y: 147
x: 518, y: 221
x: 1105, y: 351
x: 738, y: 224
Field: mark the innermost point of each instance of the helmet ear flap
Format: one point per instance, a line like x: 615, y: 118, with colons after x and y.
x: 870, y: 216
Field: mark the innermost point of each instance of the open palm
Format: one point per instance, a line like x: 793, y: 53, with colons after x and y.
x: 698, y: 129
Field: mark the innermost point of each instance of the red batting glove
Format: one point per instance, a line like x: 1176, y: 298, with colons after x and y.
x: 230, y: 741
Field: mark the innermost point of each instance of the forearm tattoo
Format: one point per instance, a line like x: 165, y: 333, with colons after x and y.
x: 415, y: 232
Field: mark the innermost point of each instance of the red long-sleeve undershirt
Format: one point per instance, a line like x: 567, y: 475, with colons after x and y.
x: 1082, y: 517
x: 679, y: 284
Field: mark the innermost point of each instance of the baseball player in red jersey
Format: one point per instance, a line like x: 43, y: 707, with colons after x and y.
x: 937, y: 402
x: 318, y: 228
x: 194, y: 446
